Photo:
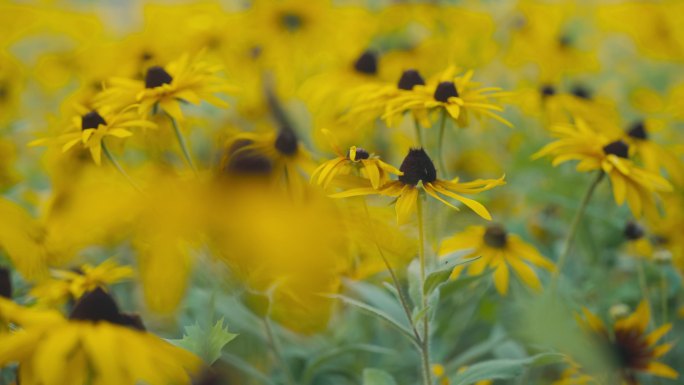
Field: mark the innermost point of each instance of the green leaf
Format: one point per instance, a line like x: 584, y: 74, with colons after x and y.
x: 376, y: 312
x: 207, y: 344
x: 503, y: 369
x: 439, y: 276
x: 377, y: 377
x: 453, y: 286
x: 330, y: 355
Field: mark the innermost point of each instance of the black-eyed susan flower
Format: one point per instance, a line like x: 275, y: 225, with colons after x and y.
x: 654, y: 156
x: 91, y: 127
x: 629, y: 347
x: 457, y: 96
x: 190, y: 79
x: 97, y: 344
x: 373, y: 168
x: 596, y: 152
x: 417, y: 169
x: 72, y: 284
x: 499, y: 251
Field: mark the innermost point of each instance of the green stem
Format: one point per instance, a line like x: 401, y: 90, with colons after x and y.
x: 663, y: 289
x: 275, y: 347
x: 395, y: 279
x: 440, y: 145
x: 118, y: 167
x: 419, y: 134
x: 426, y: 317
x: 575, y: 224
x: 183, y: 144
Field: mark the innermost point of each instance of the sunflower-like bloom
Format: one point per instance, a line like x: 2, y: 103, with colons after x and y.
x: 631, y: 349
x: 654, y: 156
x: 96, y: 345
x: 188, y: 79
x: 596, y: 151
x: 457, y: 96
x: 377, y: 99
x: 375, y: 170
x: 72, y: 284
x: 418, y: 167
x: 497, y: 250
x: 91, y: 127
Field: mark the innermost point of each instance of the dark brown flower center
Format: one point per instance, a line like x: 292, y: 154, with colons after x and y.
x: 244, y: 161
x: 638, y: 130
x: 97, y: 306
x: 495, y: 236
x: 633, y: 231
x: 417, y: 166
x: 5, y: 283
x: 617, y: 148
x: 286, y: 141
x: 156, y: 77
x: 630, y: 349
x: 291, y: 21
x: 367, y: 63
x: 547, y: 90
x: 581, y: 92
x: 92, y: 120
x: 410, y: 79
x: 444, y: 91
x: 360, y: 154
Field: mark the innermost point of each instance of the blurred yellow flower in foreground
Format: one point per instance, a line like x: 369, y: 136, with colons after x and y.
x: 97, y: 345
x: 497, y: 250
x: 65, y: 284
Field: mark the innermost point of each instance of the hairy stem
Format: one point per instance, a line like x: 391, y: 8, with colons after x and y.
x: 426, y: 317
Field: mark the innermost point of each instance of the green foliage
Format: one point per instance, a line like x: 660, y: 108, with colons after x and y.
x: 206, y: 343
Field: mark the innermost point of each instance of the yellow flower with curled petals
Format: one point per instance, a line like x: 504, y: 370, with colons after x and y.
x: 499, y: 251
x: 596, y: 151
x: 188, y: 79
x: 91, y: 127
x: 375, y: 170
x: 457, y: 96
x: 416, y: 168
x: 629, y: 347
x: 72, y: 284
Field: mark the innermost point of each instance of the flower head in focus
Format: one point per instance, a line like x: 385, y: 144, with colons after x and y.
x: 417, y: 170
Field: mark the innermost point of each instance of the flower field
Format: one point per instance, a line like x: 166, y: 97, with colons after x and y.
x: 319, y: 192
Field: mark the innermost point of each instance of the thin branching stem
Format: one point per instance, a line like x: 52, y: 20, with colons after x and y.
x: 118, y: 167
x: 182, y: 143
x: 426, y: 314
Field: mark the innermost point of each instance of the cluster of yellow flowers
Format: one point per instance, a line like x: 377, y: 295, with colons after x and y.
x: 274, y: 160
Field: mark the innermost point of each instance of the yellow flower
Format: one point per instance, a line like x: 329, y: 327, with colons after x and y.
x: 654, y: 156
x: 632, y: 349
x: 188, y: 79
x: 418, y: 167
x: 97, y: 345
x: 497, y: 250
x: 67, y: 284
x: 596, y: 151
x: 457, y: 96
x: 375, y: 170
x: 91, y: 127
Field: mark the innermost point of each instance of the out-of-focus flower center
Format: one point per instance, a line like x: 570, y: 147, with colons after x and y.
x: 581, y: 92
x: 617, y: 148
x: 286, y: 142
x: 410, y: 79
x: 495, y: 236
x: 633, y: 231
x: 156, y: 77
x: 638, y: 131
x: 367, y: 63
x: 291, y: 21
x: 92, y: 120
x: 547, y: 90
x: 444, y: 91
x: 417, y: 166
x: 246, y: 161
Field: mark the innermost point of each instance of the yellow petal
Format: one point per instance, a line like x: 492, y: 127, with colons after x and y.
x: 661, y: 370
x: 406, y: 204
